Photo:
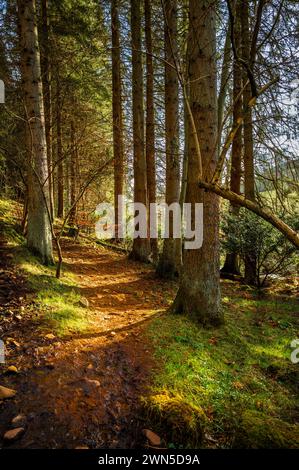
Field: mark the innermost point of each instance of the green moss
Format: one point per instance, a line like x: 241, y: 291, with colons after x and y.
x: 181, y: 423
x: 227, y: 370
x: 258, y: 431
x: 9, y: 227
x: 56, y: 300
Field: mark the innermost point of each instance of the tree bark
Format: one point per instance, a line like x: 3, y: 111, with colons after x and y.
x: 199, y: 291
x: 47, y: 93
x: 73, y: 167
x: 231, y: 264
x: 150, y: 120
x: 141, y: 246
x: 39, y: 237
x: 59, y: 152
x: 117, y: 112
x: 225, y: 72
x: 170, y: 260
x: 249, y: 183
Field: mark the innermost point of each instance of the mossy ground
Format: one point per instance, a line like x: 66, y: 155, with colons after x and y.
x: 57, y: 300
x: 243, y: 366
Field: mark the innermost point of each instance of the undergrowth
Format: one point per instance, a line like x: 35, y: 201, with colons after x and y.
x: 57, y: 300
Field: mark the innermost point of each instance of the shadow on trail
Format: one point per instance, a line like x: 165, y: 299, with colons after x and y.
x: 90, y: 396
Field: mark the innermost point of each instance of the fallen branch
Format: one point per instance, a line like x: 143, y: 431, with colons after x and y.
x: 266, y: 214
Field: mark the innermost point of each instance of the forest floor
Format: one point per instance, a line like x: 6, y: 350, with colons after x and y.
x: 85, y: 351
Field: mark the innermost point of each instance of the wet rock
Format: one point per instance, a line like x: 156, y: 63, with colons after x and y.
x: 13, y: 434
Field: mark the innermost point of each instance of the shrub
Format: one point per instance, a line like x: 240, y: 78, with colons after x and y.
x: 246, y: 232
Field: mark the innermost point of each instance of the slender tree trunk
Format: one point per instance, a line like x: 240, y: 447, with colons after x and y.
x: 249, y: 183
x: 231, y: 264
x: 73, y: 166
x: 117, y: 112
x: 141, y: 246
x: 199, y: 291
x: 59, y: 152
x: 150, y: 119
x: 170, y: 259
x: 39, y: 237
x: 185, y: 160
x: 186, y: 150
x: 46, y: 79
x: 225, y: 71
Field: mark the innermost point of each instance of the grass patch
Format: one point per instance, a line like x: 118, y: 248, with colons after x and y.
x: 57, y: 300
x: 9, y: 225
x: 243, y: 365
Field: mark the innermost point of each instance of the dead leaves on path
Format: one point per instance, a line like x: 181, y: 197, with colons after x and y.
x: 87, y: 386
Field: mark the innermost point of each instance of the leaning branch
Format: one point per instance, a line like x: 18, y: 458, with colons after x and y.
x: 267, y: 215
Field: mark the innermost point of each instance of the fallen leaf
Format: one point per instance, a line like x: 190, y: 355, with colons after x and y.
x: 238, y: 385
x: 6, y: 393
x: 50, y: 336
x: 13, y: 434
x: 12, y: 369
x: 152, y: 437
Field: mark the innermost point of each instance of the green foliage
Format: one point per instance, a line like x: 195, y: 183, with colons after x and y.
x: 246, y: 232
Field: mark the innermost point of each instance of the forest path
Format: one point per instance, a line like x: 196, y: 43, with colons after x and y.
x: 83, y: 390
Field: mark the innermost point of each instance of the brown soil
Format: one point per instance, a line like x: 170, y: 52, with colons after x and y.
x: 82, y: 390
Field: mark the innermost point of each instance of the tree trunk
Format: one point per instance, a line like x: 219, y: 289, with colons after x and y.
x: 225, y: 72
x: 59, y: 156
x: 170, y: 259
x: 39, y: 237
x: 46, y: 79
x: 150, y: 120
x: 185, y: 160
x: 73, y: 166
x: 199, y: 291
x: 231, y: 264
x: 141, y: 246
x: 250, y: 258
x: 117, y: 112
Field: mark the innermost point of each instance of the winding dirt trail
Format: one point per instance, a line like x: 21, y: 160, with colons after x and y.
x: 83, y: 390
